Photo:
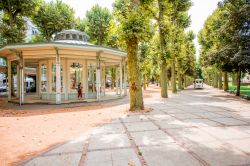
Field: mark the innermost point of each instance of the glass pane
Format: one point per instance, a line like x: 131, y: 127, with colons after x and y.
x: 67, y: 36
x: 91, y: 78
x: 44, y: 78
x: 75, y: 75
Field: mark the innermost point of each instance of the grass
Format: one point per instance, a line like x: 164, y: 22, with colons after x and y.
x: 232, y: 87
x: 245, y: 93
x: 244, y: 90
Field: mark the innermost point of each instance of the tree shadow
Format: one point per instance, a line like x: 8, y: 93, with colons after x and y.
x: 14, y: 110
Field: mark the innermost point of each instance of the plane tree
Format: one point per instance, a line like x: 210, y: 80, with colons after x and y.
x: 135, y: 27
x: 225, y: 39
x: 53, y: 17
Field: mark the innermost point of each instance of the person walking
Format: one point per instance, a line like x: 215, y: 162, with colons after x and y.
x: 79, y: 90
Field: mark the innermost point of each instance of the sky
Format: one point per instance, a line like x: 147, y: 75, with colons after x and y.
x: 200, y: 10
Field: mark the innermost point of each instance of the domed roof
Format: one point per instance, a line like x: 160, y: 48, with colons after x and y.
x: 72, y: 36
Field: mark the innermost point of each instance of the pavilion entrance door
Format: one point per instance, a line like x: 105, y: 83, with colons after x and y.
x: 30, y: 83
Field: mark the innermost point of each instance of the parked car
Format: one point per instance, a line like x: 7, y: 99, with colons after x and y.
x: 108, y: 83
x: 198, y: 84
x: 3, y: 88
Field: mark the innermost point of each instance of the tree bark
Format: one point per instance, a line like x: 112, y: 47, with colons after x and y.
x: 185, y: 81
x: 238, y: 82
x: 12, y: 85
x: 112, y: 78
x: 209, y: 81
x: 135, y: 89
x: 173, y: 76
x: 144, y: 82
x: 164, y: 80
x: 234, y: 78
x: 164, y: 76
x: 179, y: 76
x: 182, y: 82
x: 13, y: 68
x: 225, y: 78
x: 216, y: 80
x: 220, y: 80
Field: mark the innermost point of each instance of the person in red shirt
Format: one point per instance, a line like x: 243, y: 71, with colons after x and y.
x: 79, y: 90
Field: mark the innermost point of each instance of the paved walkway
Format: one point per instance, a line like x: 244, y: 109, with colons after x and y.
x: 195, y: 127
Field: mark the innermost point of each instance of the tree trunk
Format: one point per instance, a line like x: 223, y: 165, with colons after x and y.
x: 144, y: 82
x: 164, y: 76
x: 179, y: 76
x: 164, y: 80
x: 12, y: 85
x: 225, y: 78
x: 13, y: 72
x: 182, y: 82
x: 173, y: 76
x: 209, y: 80
x: 220, y: 80
x: 234, y: 78
x: 216, y: 80
x: 185, y: 81
x: 135, y: 89
x: 238, y: 82
x: 112, y: 78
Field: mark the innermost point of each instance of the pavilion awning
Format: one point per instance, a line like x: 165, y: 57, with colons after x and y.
x: 47, y: 50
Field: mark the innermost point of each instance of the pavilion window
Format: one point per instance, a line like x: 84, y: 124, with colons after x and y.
x: 54, y: 78
x: 74, y: 36
x: 61, y: 36
x: 75, y: 75
x: 67, y: 36
x: 80, y: 37
x: 91, y: 79
x: 44, y: 78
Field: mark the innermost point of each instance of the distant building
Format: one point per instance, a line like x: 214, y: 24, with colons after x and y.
x: 246, y: 79
x: 31, y: 30
x: 2, y: 75
x: 2, y: 62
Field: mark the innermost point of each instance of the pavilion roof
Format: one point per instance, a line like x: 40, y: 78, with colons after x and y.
x: 43, y: 50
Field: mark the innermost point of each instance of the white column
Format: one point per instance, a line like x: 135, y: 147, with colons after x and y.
x: 125, y: 79
x: 104, y: 79
x: 86, y: 85
x: 49, y: 79
x: 38, y: 80
x: 120, y: 78
x: 18, y: 80
x: 116, y: 80
x: 98, y: 78
x: 58, y: 79
x: 22, y: 83
x: 67, y: 78
x: 9, y: 80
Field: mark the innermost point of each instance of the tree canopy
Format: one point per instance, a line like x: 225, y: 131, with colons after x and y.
x: 225, y: 38
x: 53, y: 17
x: 12, y: 25
x: 98, y: 23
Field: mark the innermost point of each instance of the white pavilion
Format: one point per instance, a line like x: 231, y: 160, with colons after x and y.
x: 64, y: 63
